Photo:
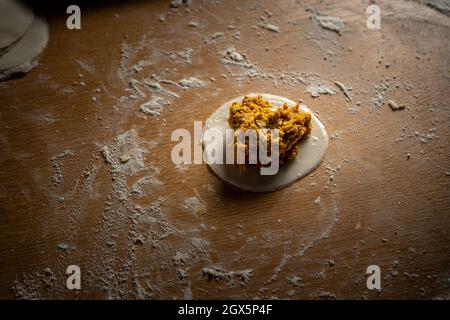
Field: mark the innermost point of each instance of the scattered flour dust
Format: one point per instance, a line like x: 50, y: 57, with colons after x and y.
x: 427, y: 136
x: 193, y: 24
x: 325, y: 234
x: 154, y: 106
x: 242, y: 277
x: 377, y: 100
x: 330, y: 23
x: 126, y: 229
x: 30, y: 286
x: 126, y: 224
x: 232, y: 57
x: 191, y: 83
x: 57, y: 167
x: 317, y: 201
x: 248, y: 71
x: 178, y: 3
x: 145, y: 184
x: 157, y: 90
x: 323, y: 295
x: 316, y: 90
x: 345, y: 90
x: 125, y: 156
x: 194, y: 206
x: 272, y: 27
x: 185, y: 56
x: 294, y: 280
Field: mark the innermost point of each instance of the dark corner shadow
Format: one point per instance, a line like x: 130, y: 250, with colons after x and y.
x: 53, y: 9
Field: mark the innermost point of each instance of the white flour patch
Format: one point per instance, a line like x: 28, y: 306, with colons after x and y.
x: 154, y: 106
x: 294, y: 280
x: 57, y: 167
x: 146, y: 184
x: 30, y: 286
x: 181, y: 263
x: 230, y: 278
x: 218, y: 35
x: 182, y: 56
x: 272, y: 27
x: 330, y: 23
x: 324, y: 295
x: 125, y: 156
x: 154, y: 86
x: 317, y: 201
x: 345, y: 90
x: 208, y: 187
x: 427, y: 136
x: 377, y: 101
x: 353, y: 109
x: 316, y: 90
x: 63, y: 246
x: 178, y: 3
x: 194, y: 206
x: 191, y: 83
x: 232, y: 57
x: 119, y: 222
x: 193, y: 24
x: 85, y: 66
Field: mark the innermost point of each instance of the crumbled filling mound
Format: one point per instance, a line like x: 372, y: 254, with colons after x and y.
x: 257, y: 113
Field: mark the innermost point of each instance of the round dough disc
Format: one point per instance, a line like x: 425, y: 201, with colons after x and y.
x: 23, y: 56
x: 312, y: 150
x: 14, y: 21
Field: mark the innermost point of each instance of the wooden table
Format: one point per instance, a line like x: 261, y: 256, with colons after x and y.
x: 87, y: 178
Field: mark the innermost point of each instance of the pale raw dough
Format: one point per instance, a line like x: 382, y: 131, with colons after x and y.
x: 15, y: 19
x: 312, y: 150
x: 22, y: 57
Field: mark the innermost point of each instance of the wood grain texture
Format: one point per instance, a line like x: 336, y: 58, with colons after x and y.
x: 384, y: 193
